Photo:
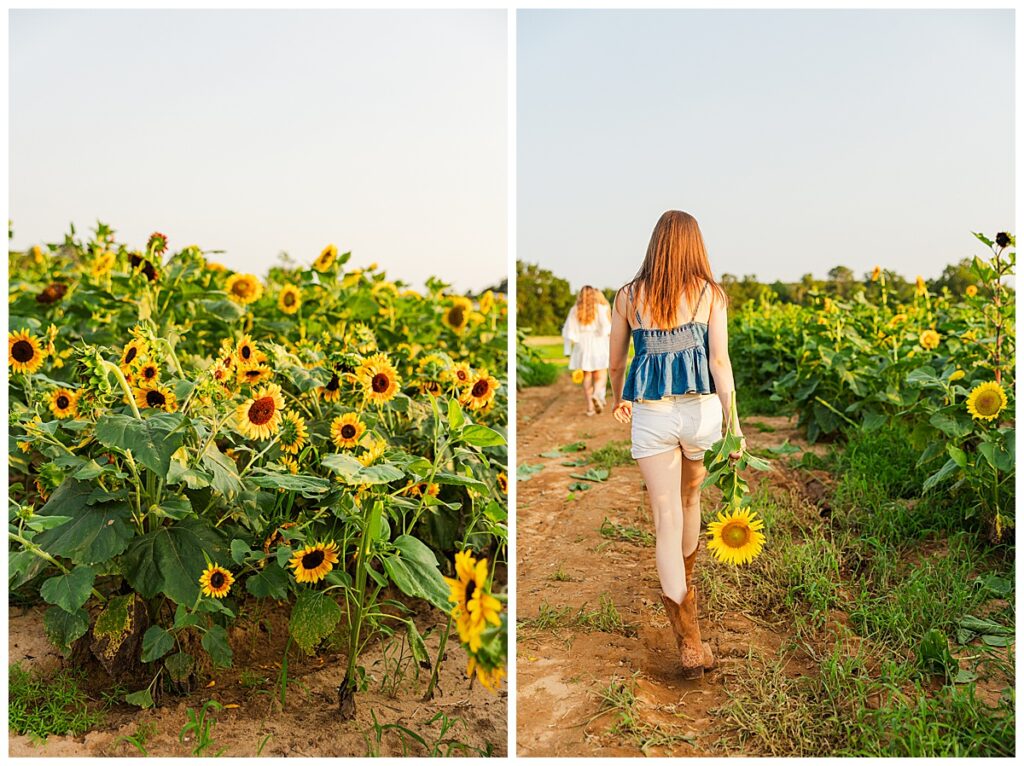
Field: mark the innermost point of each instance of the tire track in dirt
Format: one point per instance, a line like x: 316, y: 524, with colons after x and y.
x: 565, y: 562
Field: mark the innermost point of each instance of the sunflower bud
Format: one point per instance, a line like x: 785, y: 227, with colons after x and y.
x: 1004, y: 239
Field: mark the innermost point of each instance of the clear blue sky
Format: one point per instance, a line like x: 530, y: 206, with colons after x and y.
x: 258, y: 131
x: 799, y: 139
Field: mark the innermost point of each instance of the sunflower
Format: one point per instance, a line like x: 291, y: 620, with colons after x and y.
x: 245, y: 351
x: 293, y: 434
x: 373, y: 453
x: 326, y: 258
x: 419, y: 489
x: 64, y: 403
x: 332, y: 391
x: 102, y: 264
x: 930, y: 339
x: 920, y: 289
x: 244, y: 288
x: 487, y: 302
x: 216, y: 581
x: 379, y: 379
x: 971, y: 291
x: 259, y: 417
x: 253, y: 373
x: 957, y: 375
x: 133, y: 353
x: 289, y: 299
x: 157, y: 397
x: 461, y: 374
x: 481, y: 392
x: 736, y: 537
x: 149, y: 372
x: 503, y: 482
x: 897, y: 320
x: 346, y: 430
x: 221, y: 373
x: 876, y: 273
x: 489, y: 678
x: 986, y: 401
x: 456, y: 316
x: 313, y: 562
x: 24, y: 352
x: 430, y: 387
x: 290, y: 464
x: 577, y: 376
x: 474, y: 606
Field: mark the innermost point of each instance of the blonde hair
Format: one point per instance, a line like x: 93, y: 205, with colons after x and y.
x: 587, y: 301
x: 676, y: 264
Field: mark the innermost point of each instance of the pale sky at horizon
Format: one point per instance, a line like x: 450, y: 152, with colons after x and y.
x: 256, y: 132
x: 800, y: 140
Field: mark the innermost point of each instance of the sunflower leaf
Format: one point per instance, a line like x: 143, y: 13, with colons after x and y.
x: 170, y: 560
x: 482, y: 436
x: 269, y: 582
x: 215, y: 641
x: 314, y: 616
x: 69, y: 591
x: 151, y: 441
x: 156, y: 642
x: 413, y: 568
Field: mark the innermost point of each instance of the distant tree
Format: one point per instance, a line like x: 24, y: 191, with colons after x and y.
x: 542, y: 299
x: 956, y: 276
x: 783, y: 292
x: 841, y: 281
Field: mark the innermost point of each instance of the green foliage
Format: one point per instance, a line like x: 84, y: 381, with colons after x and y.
x: 543, y: 300
x: 42, y: 705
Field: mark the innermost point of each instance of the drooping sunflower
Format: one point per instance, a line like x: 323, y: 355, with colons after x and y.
x: 149, y: 372
x: 313, y: 562
x: 326, y: 258
x: 736, y: 537
x: 474, y: 606
x: 488, y: 678
x: 157, y: 397
x: 456, y: 315
x: 64, y: 403
x: 487, y: 302
x: 986, y: 401
x: 216, y: 581
x: 876, y: 273
x: 481, y: 392
x: 346, y: 430
x: 289, y: 300
x: 253, y: 373
x: 971, y: 290
x: 379, y: 379
x: 503, y: 482
x: 332, y: 391
x: 136, y: 350
x: 293, y: 434
x: 25, y: 353
x: 244, y: 288
x: 259, y: 417
x: 930, y: 339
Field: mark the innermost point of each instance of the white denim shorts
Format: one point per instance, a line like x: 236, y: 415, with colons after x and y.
x: 692, y: 422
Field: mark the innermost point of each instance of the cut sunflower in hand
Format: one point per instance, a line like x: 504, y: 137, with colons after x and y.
x: 313, y: 562
x: 986, y: 401
x: 25, y: 353
x: 736, y: 537
x: 216, y: 581
x: 259, y: 417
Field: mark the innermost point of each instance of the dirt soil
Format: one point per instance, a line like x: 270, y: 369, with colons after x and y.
x: 561, y: 672
x: 307, y: 726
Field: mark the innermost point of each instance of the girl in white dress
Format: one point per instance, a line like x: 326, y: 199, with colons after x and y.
x: 585, y: 334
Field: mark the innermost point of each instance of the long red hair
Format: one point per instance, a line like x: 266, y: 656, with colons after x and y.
x: 676, y: 264
x: 587, y: 301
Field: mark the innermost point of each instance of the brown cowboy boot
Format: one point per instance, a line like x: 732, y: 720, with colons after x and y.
x: 691, y: 654
x: 690, y: 605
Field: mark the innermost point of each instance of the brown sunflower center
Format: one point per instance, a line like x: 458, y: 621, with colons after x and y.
x: 348, y: 431
x: 480, y: 388
x: 334, y: 383
x: 155, y: 398
x: 245, y: 352
x: 130, y: 355
x: 380, y: 383
x: 241, y: 289
x: 22, y: 351
x: 313, y: 559
x: 736, y: 535
x: 262, y: 410
x: 456, y: 316
x: 63, y: 402
x: 289, y: 299
x: 470, y: 590
x: 988, y: 403
x: 149, y: 373
x: 462, y: 375
x: 253, y: 373
x: 217, y: 580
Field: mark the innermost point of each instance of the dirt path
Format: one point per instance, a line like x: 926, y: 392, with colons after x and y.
x: 587, y: 686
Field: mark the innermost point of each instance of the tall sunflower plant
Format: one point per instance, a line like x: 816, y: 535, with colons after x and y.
x: 184, y: 438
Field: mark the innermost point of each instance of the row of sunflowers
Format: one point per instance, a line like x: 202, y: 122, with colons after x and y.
x: 184, y: 438
x: 941, y: 367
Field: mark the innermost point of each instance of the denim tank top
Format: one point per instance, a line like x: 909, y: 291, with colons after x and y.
x: 669, y: 362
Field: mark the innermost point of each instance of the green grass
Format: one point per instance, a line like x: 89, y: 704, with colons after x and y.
x: 619, y: 699
x: 604, y: 618
x: 44, y: 705
x: 627, y: 534
x: 612, y: 454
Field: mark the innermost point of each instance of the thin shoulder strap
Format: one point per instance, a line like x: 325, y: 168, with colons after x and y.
x: 639, y: 321
x: 696, y: 306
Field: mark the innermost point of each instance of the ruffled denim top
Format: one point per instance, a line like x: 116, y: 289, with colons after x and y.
x: 669, y: 362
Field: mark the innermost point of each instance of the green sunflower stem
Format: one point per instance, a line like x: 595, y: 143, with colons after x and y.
x: 121, y: 381
x: 369, y: 530
x: 440, y: 656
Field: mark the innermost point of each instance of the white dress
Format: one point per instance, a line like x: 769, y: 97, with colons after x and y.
x: 587, y: 345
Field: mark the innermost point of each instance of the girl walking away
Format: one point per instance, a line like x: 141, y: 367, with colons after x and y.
x: 585, y: 334
x: 677, y: 393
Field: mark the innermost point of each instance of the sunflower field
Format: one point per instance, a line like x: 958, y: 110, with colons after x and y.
x: 940, y: 368
x: 184, y: 439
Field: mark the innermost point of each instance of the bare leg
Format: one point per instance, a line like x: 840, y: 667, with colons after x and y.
x: 693, y: 474
x: 588, y: 390
x: 662, y: 475
x: 599, y: 384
